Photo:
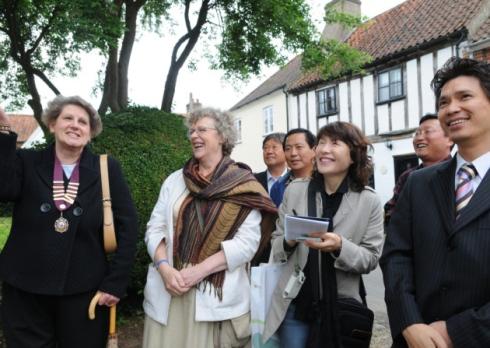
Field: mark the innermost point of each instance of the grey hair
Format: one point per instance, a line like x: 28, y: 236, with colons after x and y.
x: 223, y: 122
x: 56, y: 105
x: 277, y: 137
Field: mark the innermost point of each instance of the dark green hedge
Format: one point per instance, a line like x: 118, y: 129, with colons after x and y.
x: 149, y: 144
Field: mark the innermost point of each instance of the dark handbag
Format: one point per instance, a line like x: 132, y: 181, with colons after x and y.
x: 355, y: 321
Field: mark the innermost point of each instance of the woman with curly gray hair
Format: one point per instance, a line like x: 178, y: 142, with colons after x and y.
x: 53, y: 262
x: 204, y: 229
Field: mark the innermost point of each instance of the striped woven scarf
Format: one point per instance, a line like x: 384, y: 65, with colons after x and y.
x: 224, y: 200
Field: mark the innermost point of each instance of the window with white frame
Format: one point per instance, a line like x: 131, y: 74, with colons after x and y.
x: 238, y: 129
x: 268, y: 120
x: 390, y: 85
x: 326, y: 101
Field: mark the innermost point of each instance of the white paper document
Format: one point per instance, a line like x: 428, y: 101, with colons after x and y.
x: 299, y: 227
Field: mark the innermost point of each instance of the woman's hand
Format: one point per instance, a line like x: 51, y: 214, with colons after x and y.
x: 193, y: 275
x: 174, y: 283
x: 329, y: 242
x: 108, y: 300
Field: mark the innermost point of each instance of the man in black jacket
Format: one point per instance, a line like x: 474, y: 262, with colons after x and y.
x: 436, y: 259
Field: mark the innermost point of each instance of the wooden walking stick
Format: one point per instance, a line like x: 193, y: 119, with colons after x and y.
x: 112, y: 340
x: 110, y: 246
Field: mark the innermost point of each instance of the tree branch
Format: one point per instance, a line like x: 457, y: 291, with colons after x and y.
x: 44, y: 31
x: 186, y: 15
x: 46, y: 80
x: 195, y: 32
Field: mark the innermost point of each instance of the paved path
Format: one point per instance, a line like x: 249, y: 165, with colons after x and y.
x: 375, y: 299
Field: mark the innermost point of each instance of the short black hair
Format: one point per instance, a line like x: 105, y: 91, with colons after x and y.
x: 428, y: 117
x: 310, y: 138
x: 278, y: 136
x: 456, y: 67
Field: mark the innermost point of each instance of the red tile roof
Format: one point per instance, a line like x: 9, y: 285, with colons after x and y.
x: 483, y: 32
x: 23, y: 125
x: 404, y: 27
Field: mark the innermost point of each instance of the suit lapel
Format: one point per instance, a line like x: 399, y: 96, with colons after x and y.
x: 442, y: 186
x: 478, y: 204
x: 344, y: 208
x: 89, y: 170
x: 45, y: 167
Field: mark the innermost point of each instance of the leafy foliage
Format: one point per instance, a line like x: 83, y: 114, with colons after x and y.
x: 345, y: 19
x: 44, y: 38
x: 261, y: 32
x: 149, y: 145
x: 333, y: 58
x: 5, y: 223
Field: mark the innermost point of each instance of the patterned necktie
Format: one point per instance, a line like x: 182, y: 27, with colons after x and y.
x: 464, y: 189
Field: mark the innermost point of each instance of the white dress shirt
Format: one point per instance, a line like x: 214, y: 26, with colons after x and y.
x: 481, y: 164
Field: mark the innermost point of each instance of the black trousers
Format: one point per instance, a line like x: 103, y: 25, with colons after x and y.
x: 32, y: 320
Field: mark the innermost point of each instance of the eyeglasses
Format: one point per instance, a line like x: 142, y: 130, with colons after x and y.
x: 199, y: 130
x: 426, y: 132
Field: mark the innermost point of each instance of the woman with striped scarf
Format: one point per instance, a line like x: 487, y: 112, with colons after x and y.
x: 211, y: 218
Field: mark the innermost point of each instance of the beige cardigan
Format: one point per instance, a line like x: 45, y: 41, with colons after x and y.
x: 359, y: 220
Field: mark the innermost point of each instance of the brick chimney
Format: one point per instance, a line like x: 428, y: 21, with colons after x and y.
x: 337, y: 31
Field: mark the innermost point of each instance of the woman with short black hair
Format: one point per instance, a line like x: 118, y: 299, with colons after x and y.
x: 333, y: 262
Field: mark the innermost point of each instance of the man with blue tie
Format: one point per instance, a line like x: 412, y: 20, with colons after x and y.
x: 436, y: 259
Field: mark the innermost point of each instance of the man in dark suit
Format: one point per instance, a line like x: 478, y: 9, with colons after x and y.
x: 436, y: 259
x: 274, y: 159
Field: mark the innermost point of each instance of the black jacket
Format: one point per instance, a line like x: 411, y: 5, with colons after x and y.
x: 38, y: 259
x: 436, y: 267
x: 262, y: 178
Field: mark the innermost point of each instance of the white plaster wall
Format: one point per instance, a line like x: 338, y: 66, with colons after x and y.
x: 322, y: 122
x: 293, y: 111
x: 413, y: 94
x: 426, y: 75
x: 355, y: 95
x: 398, y: 115
x: 443, y: 55
x: 303, y: 123
x: 383, y: 118
x: 37, y: 137
x: 384, y: 169
x: 344, y: 102
x: 249, y: 150
x: 368, y: 86
x: 312, y: 111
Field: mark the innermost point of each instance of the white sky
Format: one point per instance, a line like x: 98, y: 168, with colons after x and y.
x: 150, y: 62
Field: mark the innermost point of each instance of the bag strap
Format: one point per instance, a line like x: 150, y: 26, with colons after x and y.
x: 110, y: 243
x: 362, y: 291
x: 312, y: 212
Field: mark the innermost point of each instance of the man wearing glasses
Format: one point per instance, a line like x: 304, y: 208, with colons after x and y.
x: 432, y: 145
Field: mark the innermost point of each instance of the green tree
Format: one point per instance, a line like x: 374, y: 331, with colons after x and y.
x: 39, y: 39
x: 115, y: 87
x: 252, y: 33
x: 333, y: 58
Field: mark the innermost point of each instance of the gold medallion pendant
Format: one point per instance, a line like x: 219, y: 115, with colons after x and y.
x: 61, y: 225
x: 64, y: 198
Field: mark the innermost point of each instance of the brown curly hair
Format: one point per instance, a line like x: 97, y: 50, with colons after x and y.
x: 362, y: 165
